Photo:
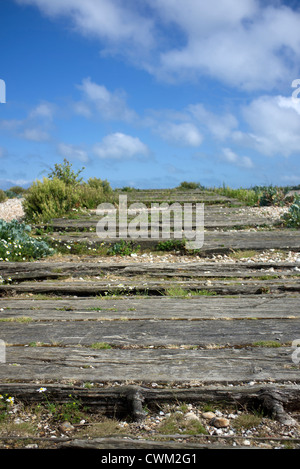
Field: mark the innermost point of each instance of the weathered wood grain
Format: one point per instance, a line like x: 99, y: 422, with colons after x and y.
x: 215, y: 216
x: 145, y: 286
x: 40, y: 270
x: 164, y: 308
x: 119, y: 443
x: 214, y: 241
x: 167, y: 367
x: 152, y: 332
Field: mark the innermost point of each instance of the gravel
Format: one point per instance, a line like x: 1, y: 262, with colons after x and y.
x: 184, y: 423
x: 11, y: 209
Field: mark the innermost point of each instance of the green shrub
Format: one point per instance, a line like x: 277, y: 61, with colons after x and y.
x: 53, y: 198
x: 189, y: 185
x: 122, y: 248
x: 65, y: 173
x: 15, y: 192
x: 18, y: 190
x: 62, y: 193
x: 2, y: 196
x: 16, y: 244
x: 248, y: 196
x: 100, y: 184
x: 91, y: 195
x: 50, y: 198
x: 171, y: 245
x: 10, y: 195
x: 272, y: 195
x: 292, y: 217
x: 128, y: 189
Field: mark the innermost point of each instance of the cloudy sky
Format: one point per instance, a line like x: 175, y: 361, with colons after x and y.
x: 150, y: 93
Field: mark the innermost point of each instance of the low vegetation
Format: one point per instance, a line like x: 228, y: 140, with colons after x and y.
x: 262, y: 196
x: 171, y: 245
x: 122, y: 248
x: 185, y: 185
x: 13, y: 192
x: 101, y: 346
x: 249, y: 197
x: 17, y: 244
x: 176, y: 423
x: 62, y: 193
x: 178, y: 291
x: 2, y: 196
x: 292, y: 218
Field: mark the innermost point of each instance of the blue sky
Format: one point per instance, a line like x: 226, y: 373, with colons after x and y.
x: 150, y: 93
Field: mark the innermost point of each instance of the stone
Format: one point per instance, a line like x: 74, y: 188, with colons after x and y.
x: 220, y: 422
x: 18, y: 421
x: 66, y: 427
x: 246, y: 443
x: 208, y: 415
x: 191, y: 416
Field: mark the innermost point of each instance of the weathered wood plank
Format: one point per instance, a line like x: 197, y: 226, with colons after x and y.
x: 222, y: 366
x: 119, y: 443
x: 153, y: 332
x: 214, y: 242
x: 146, y: 286
x: 40, y: 270
x: 164, y: 308
x: 113, y: 398
x: 129, y: 400
x: 214, y: 217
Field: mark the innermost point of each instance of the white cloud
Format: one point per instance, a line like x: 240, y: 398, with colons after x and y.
x: 220, y: 126
x: 231, y: 157
x: 43, y: 110
x: 250, y: 44
x: 182, y: 134
x: 119, y: 146
x: 244, y: 44
x: 97, y: 98
x: 274, y: 124
x: 35, y: 126
x: 103, y: 19
x: 72, y: 152
x: 35, y: 134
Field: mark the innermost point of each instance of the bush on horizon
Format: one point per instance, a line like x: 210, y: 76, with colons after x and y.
x: 190, y: 185
x: 248, y: 196
x: 62, y: 193
x: 2, y: 196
